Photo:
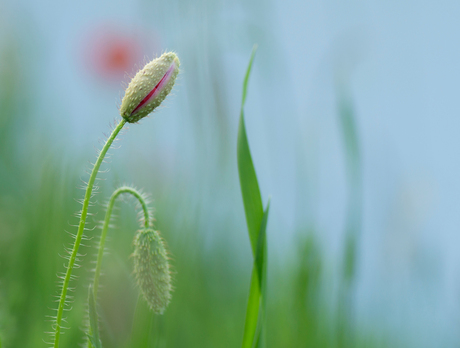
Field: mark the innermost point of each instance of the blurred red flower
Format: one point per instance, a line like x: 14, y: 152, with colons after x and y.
x: 111, y: 52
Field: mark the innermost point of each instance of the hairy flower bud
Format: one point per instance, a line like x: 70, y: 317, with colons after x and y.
x: 151, y: 269
x: 149, y: 87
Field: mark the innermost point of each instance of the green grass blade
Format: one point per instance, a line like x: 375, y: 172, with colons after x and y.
x: 261, y: 264
x: 255, y: 311
x: 353, y: 219
x: 353, y: 163
x: 248, y: 180
x: 93, y: 321
x: 256, y: 220
x: 350, y: 134
x: 246, y: 77
x: 252, y: 311
x: 259, y: 260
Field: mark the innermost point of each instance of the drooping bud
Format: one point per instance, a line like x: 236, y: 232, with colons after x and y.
x: 151, y: 269
x: 149, y: 87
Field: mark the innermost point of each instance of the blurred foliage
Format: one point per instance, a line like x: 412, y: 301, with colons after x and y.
x: 38, y: 195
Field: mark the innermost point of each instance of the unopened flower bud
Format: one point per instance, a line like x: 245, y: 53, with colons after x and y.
x: 149, y: 87
x: 151, y: 269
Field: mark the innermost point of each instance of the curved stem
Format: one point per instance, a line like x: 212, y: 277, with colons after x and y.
x: 81, y: 227
x: 105, y: 227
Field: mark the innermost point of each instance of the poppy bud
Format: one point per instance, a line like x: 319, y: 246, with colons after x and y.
x: 151, y: 269
x: 149, y: 87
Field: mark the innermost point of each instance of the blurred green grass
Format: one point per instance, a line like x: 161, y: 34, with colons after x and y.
x: 37, y: 205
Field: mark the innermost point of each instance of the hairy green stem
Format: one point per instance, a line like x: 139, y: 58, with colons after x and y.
x: 105, y: 228
x: 81, y: 227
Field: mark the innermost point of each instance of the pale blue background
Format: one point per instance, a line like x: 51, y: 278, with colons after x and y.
x: 400, y: 62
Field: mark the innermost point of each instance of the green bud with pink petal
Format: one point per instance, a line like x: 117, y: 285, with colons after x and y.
x: 149, y: 87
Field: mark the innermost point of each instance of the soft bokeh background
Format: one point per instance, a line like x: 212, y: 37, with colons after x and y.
x: 390, y: 68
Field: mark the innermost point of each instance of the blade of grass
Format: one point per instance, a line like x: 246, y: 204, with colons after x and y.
x: 353, y: 221
x: 93, y: 321
x: 259, y: 260
x: 248, y: 180
x: 255, y: 311
x: 252, y: 311
x: 353, y: 163
x: 261, y: 264
x: 256, y: 220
